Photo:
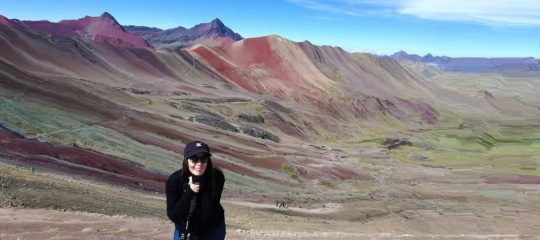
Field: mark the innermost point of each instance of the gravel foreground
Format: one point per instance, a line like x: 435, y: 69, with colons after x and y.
x: 22, y: 224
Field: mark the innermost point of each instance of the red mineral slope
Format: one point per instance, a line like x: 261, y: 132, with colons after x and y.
x: 99, y: 29
x: 329, y: 79
x: 63, y: 52
x: 52, y: 55
x: 6, y: 21
x: 287, y: 69
x: 73, y: 158
x: 98, y: 62
x: 272, y: 65
x: 214, y: 41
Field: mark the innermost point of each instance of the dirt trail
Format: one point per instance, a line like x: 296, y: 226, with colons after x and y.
x: 329, y: 207
x: 49, y: 224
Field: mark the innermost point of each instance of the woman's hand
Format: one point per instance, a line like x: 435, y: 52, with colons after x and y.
x: 195, y: 187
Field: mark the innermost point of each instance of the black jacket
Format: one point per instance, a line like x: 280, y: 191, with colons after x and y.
x: 208, y: 214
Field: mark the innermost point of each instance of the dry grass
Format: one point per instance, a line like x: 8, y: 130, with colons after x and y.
x: 21, y: 188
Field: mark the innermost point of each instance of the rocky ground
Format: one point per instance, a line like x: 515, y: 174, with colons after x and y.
x: 52, y: 224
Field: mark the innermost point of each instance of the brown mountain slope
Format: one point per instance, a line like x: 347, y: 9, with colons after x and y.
x: 270, y: 65
x: 96, y: 29
x: 273, y: 66
x: 98, y: 62
x: 367, y: 74
x: 328, y: 79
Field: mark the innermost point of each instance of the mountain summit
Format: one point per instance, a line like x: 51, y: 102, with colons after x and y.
x: 402, y: 55
x: 214, y: 33
x: 219, y: 29
x: 107, y: 17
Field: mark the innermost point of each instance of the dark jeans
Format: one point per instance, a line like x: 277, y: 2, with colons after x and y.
x: 216, y: 234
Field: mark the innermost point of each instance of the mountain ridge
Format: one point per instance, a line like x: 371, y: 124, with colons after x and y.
x: 214, y: 33
x: 513, y: 66
x: 104, y: 28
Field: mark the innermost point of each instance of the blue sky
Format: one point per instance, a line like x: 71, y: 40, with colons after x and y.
x: 456, y: 28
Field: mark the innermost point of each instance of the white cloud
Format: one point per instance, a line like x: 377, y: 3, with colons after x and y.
x: 348, y: 7
x: 489, y: 12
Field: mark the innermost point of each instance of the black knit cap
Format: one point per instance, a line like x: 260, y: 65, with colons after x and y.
x: 194, y: 147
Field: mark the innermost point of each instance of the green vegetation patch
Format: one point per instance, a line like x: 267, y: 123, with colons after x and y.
x: 240, y: 182
x: 23, y: 189
x: 529, y: 167
x: 110, y: 142
x: 503, y: 150
x: 379, y: 141
x: 326, y: 183
x: 289, y: 170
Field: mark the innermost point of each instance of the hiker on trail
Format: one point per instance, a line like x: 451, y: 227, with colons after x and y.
x: 193, y: 196
x: 281, y: 204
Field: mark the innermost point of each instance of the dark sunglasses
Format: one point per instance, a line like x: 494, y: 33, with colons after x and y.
x: 202, y: 159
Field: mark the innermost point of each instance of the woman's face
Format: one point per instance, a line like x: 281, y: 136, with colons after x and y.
x: 197, y: 164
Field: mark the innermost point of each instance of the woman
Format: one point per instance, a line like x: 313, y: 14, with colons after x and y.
x: 195, y: 191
